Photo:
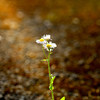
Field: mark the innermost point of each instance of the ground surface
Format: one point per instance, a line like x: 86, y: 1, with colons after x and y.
x: 75, y: 62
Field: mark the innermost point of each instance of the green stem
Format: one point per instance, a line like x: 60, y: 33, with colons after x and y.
x: 52, y: 95
x: 50, y: 74
x: 49, y: 66
x: 44, y: 52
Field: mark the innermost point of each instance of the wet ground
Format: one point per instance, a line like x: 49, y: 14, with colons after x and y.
x: 75, y: 62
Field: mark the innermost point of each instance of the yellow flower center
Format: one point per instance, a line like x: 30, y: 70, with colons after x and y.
x: 41, y: 40
x: 48, y: 45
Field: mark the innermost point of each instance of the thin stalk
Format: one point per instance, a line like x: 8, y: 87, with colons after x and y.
x: 49, y: 66
x: 52, y: 95
x: 44, y: 52
x: 50, y: 74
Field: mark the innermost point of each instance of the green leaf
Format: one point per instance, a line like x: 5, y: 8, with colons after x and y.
x: 63, y: 98
x: 51, y: 82
x: 51, y: 87
x: 53, y: 77
x: 44, y: 60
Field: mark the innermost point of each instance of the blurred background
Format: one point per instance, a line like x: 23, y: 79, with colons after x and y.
x: 74, y: 25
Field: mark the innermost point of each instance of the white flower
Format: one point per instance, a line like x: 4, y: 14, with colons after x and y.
x: 46, y: 37
x: 49, y: 46
x: 41, y: 41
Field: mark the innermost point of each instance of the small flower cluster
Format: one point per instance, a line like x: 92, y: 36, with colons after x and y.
x: 48, y: 45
